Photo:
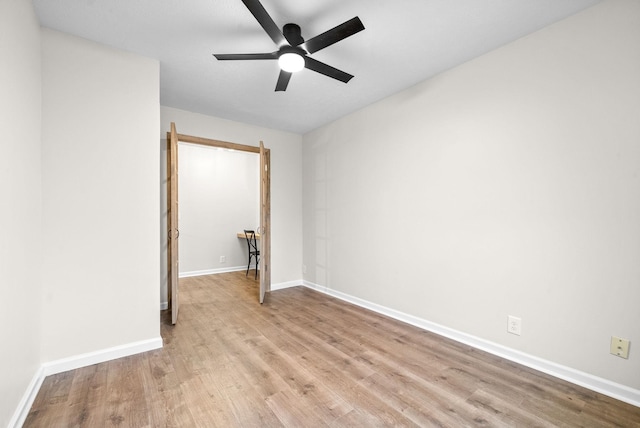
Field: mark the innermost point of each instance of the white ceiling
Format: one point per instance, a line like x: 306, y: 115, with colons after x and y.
x: 405, y: 42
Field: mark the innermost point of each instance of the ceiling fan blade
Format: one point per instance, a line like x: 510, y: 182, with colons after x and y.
x: 342, y: 31
x: 283, y: 80
x: 224, y: 57
x: 263, y: 18
x: 327, y: 70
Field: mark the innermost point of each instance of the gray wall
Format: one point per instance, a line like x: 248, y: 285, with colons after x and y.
x: 101, y: 167
x: 21, y: 213
x: 507, y: 186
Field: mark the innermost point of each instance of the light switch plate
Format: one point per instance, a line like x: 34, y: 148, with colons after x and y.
x: 619, y: 347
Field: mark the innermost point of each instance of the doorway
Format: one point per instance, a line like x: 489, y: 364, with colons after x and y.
x: 173, y: 206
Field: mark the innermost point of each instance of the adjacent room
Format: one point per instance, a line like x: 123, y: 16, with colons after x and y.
x: 219, y: 197
x: 453, y: 217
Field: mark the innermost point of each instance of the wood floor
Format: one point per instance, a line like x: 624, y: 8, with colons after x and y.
x: 303, y: 359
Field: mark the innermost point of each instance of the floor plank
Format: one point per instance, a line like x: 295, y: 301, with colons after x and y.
x: 306, y: 359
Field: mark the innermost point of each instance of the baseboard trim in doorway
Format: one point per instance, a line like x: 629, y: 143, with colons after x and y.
x: 283, y: 285
x: 213, y: 271
x: 76, y: 362
x: 586, y: 380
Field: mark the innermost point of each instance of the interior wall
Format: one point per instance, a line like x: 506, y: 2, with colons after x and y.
x: 509, y: 185
x: 101, y: 167
x: 286, y: 185
x: 21, y: 213
x: 219, y: 194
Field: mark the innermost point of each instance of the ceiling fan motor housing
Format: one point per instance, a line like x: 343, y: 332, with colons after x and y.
x: 292, y: 33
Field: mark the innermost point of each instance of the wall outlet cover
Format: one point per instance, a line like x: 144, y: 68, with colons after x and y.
x: 619, y: 347
x: 514, y: 325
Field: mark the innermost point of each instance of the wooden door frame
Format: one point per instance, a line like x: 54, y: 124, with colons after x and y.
x: 265, y: 221
x: 265, y: 200
x: 172, y: 222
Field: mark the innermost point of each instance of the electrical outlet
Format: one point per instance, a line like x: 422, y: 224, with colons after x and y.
x: 304, y: 268
x: 619, y: 347
x: 514, y: 325
x: 223, y: 259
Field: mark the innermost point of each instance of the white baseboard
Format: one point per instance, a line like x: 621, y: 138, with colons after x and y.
x: 84, y: 360
x: 27, y: 400
x: 283, y: 285
x: 75, y: 362
x: 164, y: 306
x: 213, y: 271
x: 594, y: 383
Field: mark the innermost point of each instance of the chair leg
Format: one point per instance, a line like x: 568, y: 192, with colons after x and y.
x: 248, y: 264
x: 257, y: 261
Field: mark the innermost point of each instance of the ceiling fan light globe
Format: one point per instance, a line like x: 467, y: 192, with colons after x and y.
x: 291, y: 62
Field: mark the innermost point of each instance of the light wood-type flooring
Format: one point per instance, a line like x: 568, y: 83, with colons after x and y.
x: 303, y: 359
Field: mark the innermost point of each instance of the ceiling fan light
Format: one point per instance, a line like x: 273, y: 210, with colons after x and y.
x: 291, y: 62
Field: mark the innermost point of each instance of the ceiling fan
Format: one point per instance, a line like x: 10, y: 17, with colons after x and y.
x: 293, y: 51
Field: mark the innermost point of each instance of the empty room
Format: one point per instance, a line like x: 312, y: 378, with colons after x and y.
x: 445, y: 197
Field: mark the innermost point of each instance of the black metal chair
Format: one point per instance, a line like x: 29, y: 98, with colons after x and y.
x: 250, y: 235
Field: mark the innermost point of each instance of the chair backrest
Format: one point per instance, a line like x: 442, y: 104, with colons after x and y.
x: 251, y: 240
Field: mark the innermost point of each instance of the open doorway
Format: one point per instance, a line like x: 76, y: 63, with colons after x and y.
x: 173, y: 209
x: 219, y: 197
